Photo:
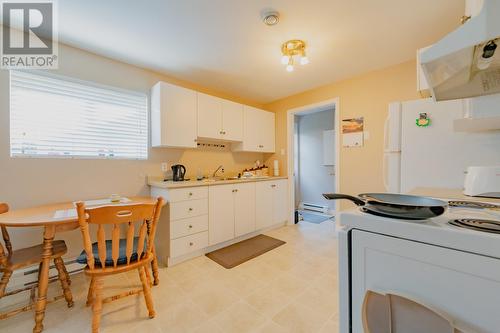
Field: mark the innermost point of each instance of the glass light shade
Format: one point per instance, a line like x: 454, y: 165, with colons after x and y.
x: 289, y: 68
x: 284, y: 60
x: 304, y: 60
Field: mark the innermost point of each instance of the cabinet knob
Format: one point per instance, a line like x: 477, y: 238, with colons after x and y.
x: 190, y: 209
x: 190, y: 226
x: 191, y: 243
x: 273, y: 185
x: 190, y: 194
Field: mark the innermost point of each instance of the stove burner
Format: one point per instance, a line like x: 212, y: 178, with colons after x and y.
x: 472, y: 204
x: 478, y: 224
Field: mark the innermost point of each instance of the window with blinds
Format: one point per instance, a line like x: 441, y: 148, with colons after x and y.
x: 53, y: 116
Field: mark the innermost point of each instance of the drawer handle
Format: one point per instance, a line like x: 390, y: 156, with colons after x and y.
x: 190, y: 226
x: 273, y: 185
x: 191, y: 243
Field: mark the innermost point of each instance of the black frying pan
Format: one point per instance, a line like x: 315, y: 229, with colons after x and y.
x: 401, y: 206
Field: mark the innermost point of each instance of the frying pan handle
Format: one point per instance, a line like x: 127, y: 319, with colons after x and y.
x: 335, y: 196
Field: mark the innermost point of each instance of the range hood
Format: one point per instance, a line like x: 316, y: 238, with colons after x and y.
x: 466, y: 63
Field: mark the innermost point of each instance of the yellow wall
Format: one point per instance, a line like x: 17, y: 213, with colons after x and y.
x: 365, y: 96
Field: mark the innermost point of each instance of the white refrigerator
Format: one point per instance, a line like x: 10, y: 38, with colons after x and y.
x: 434, y: 155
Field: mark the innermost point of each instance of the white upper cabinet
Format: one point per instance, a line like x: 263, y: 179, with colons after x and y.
x: 173, y: 116
x: 473, y: 7
x: 219, y: 119
x: 209, y: 116
x: 258, y: 131
x: 180, y: 116
x: 232, y: 121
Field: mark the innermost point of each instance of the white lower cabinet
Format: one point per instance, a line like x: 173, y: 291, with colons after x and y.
x: 232, y: 211
x: 271, y: 203
x: 221, y: 213
x: 201, y: 218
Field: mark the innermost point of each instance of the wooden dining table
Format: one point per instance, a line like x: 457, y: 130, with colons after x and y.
x: 53, y: 218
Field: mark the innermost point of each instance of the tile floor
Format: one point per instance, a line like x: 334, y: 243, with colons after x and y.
x: 290, y: 289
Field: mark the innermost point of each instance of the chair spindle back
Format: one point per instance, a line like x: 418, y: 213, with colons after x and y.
x: 144, y: 215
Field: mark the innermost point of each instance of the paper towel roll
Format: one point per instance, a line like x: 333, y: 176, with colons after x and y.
x: 276, y: 168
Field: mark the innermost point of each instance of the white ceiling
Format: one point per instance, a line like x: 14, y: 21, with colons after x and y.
x: 223, y: 44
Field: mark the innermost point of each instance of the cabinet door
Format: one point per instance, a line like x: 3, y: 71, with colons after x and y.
x: 266, y: 132
x: 209, y: 117
x: 264, y: 193
x: 221, y: 213
x: 178, y: 116
x: 232, y: 121
x: 244, y: 209
x: 280, y: 201
x: 252, y: 129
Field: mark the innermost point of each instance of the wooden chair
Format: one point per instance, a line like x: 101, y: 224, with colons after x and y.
x: 22, y: 258
x: 118, y: 255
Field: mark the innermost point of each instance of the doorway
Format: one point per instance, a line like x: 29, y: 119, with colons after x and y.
x: 313, y: 160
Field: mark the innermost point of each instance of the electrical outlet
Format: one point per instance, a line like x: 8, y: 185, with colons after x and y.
x: 164, y: 167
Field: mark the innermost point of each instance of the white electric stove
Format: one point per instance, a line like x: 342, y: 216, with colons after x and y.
x: 450, y: 263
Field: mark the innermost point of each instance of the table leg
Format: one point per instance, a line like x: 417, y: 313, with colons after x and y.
x: 43, y: 278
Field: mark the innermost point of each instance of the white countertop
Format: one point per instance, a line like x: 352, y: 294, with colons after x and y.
x: 160, y: 183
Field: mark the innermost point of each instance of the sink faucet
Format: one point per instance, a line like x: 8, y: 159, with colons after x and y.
x: 220, y: 167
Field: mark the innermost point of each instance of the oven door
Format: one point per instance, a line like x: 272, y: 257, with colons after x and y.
x: 461, y: 287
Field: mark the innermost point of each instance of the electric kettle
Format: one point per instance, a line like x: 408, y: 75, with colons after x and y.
x: 178, y: 172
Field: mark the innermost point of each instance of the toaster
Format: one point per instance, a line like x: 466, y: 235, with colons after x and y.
x: 482, y: 181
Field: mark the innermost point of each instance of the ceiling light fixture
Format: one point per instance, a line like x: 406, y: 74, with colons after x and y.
x: 292, y: 48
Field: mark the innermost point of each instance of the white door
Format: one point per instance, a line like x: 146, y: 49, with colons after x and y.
x: 280, y: 201
x: 244, y: 209
x: 264, y: 195
x: 221, y: 213
x: 209, y: 117
x: 463, y: 286
x: 178, y: 116
x: 232, y: 121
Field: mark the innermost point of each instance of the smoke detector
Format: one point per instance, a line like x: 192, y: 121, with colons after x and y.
x: 271, y: 18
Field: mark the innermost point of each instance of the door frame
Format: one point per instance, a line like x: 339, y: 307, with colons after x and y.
x: 333, y: 103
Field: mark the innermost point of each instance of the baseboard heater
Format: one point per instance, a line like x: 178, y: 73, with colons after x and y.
x: 29, y: 276
x: 314, y: 207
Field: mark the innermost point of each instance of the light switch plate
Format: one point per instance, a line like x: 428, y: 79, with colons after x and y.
x: 164, y: 167
x: 366, y: 135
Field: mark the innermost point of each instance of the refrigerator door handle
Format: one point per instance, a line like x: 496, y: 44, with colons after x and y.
x: 384, y: 172
x: 386, y: 133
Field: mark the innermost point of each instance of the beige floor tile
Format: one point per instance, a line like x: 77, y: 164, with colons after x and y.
x: 240, y: 318
x: 331, y: 326
x: 184, y: 317
x: 268, y: 301
x: 271, y: 327
x: 299, y: 318
x: 319, y: 300
x: 213, y: 300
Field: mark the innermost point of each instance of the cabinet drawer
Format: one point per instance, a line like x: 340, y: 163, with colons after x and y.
x: 188, y: 193
x: 185, y: 245
x: 189, y: 226
x: 185, y: 209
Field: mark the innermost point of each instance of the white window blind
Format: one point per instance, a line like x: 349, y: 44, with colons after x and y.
x: 52, y: 116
